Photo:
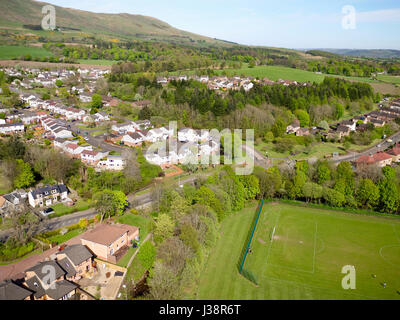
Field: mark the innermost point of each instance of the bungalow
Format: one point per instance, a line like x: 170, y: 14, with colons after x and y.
x: 349, y: 123
x: 188, y: 135
x: 10, y: 128
x: 134, y: 139
x: 142, y: 125
x: 74, y: 114
x: 395, y: 153
x: 91, y: 157
x: 48, y: 195
x: 157, y: 134
x: 85, y: 97
x: 381, y: 159
x: 101, y: 117
x: 76, y: 260
x: 11, y: 201
x: 112, y: 162
x: 293, y: 127
x: 37, y: 280
x: 110, y: 242
x: 303, y: 132
x: 141, y: 104
x: 123, y: 128
x: 162, y: 80
x: 377, y: 123
x: 343, y: 131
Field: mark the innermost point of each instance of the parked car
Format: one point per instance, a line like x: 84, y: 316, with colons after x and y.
x: 47, y: 212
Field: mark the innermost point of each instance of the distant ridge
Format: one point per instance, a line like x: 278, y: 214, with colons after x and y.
x: 368, y: 53
x: 27, y: 14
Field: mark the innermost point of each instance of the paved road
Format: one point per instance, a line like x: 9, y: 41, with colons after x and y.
x: 259, y: 158
x: 139, y: 201
x: 378, y: 148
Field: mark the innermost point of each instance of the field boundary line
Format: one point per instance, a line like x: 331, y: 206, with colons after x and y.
x: 315, y: 245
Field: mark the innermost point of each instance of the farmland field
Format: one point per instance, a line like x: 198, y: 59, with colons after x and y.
x: 277, y: 72
x: 305, y: 257
x: 11, y: 52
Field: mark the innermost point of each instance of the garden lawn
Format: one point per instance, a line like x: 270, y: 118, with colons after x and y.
x: 64, y: 238
x: 143, y: 223
x: 305, y: 257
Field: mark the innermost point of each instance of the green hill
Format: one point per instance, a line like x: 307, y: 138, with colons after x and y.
x: 26, y: 15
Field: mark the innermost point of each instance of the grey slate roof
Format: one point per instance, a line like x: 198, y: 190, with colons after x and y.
x: 60, y: 188
x: 67, y: 266
x: 77, y: 253
x: 11, y: 291
x: 41, y: 273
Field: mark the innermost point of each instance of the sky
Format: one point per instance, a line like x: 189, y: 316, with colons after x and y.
x: 277, y: 23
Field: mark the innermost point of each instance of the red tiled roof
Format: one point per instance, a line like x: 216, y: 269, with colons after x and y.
x: 90, y: 152
x: 381, y: 156
x: 72, y: 146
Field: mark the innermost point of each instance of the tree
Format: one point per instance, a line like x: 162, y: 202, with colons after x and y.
x: 59, y: 83
x: 251, y: 186
x: 106, y: 204
x: 303, y: 117
x: 367, y: 194
x: 279, y: 128
x: 333, y: 197
x: 323, y: 173
x: 389, y: 196
x: 121, y: 201
x: 164, y: 227
x: 25, y: 176
x: 97, y: 101
x: 312, y: 191
x: 83, y: 223
x: 164, y: 285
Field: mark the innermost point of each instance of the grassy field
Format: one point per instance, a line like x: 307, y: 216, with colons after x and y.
x: 141, y: 222
x: 305, y: 257
x: 277, y: 72
x: 97, y: 62
x: 390, y: 79
x: 11, y: 52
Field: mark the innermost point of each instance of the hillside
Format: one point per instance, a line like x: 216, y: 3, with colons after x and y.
x: 26, y: 16
x: 375, y: 53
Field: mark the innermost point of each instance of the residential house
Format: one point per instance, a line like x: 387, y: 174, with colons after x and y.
x: 11, y: 291
x: 303, y: 132
x: 293, y: 127
x: 343, y: 131
x: 134, y: 139
x: 11, y: 128
x: 44, y: 287
x: 91, y: 157
x: 76, y: 260
x: 381, y: 159
x: 110, y: 242
x: 12, y: 201
x: 48, y: 195
x: 350, y: 124
x: 112, y: 162
x: 395, y: 153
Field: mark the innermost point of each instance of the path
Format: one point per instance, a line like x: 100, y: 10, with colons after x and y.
x: 130, y: 262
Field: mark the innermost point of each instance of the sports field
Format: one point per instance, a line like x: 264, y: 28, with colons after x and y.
x: 305, y: 256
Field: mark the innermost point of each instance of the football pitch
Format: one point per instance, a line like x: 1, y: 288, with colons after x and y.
x: 299, y: 252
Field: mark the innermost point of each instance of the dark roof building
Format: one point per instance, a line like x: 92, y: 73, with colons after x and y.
x: 11, y: 291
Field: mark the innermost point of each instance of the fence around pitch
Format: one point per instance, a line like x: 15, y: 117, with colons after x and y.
x: 244, y: 272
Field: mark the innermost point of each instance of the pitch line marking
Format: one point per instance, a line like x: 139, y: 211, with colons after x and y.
x: 315, y: 245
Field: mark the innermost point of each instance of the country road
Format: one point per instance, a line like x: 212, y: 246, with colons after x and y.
x: 139, y: 202
x: 378, y: 148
